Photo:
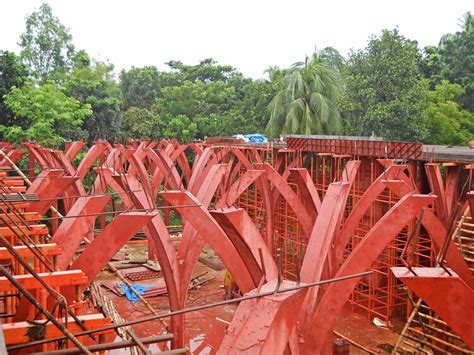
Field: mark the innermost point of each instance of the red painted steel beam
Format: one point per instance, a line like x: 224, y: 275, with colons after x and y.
x: 289, y: 195
x: 447, y: 295
x: 91, y: 156
x: 210, y: 230
x: 18, y: 333
x: 453, y: 258
x: 198, y: 170
x: 74, y: 149
x: 470, y: 198
x: 48, y: 186
x: 11, y: 231
x: 361, y: 208
x: 72, y: 231
x: 318, y: 330
x: 14, y: 156
x: 247, y: 239
x: 37, y: 155
x: 434, y: 226
x: 179, y: 156
x: 307, y: 190
x: 50, y: 249
x: 437, y: 187
x: 437, y: 232
x: 54, y: 279
x: 192, y: 243
x: 263, y: 325
x: 159, y: 239
x: 109, y: 241
x: 453, y: 174
x: 359, y: 147
x: 25, y: 217
x: 239, y: 187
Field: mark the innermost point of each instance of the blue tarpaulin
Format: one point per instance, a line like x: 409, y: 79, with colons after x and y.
x: 256, y: 138
x: 129, y: 293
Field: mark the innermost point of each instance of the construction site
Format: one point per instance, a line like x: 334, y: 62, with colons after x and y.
x: 306, y: 245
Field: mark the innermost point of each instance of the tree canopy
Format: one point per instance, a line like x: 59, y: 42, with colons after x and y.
x: 46, y: 44
x: 392, y: 89
x: 445, y: 121
x: 44, y: 114
x: 95, y: 86
x: 457, y: 59
x: 12, y: 73
x: 384, y: 94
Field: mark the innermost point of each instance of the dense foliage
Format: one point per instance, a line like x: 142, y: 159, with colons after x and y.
x: 445, y: 121
x: 457, y: 58
x: 384, y: 94
x: 44, y: 114
x: 392, y: 89
x: 12, y: 73
x: 93, y: 84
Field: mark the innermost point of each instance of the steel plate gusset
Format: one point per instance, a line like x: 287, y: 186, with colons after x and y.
x: 449, y: 296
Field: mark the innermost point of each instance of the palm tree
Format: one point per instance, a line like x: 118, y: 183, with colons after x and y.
x: 307, y: 102
x: 465, y: 24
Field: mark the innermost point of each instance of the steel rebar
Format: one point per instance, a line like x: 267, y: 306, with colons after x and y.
x: 194, y: 309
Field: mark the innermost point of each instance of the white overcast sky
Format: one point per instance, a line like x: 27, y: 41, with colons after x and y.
x: 250, y: 35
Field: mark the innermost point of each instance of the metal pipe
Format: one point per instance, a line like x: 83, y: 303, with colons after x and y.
x: 43, y: 310
x: 193, y: 309
x: 59, y: 298
x: 111, y: 346
x: 78, y: 196
x: 28, y: 242
x: 138, y: 342
x: 118, y: 212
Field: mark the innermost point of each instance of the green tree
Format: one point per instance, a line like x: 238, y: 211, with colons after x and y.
x: 141, y: 123
x: 181, y: 128
x: 46, y: 45
x: 207, y: 70
x: 431, y: 66
x: 307, y: 102
x: 457, y: 57
x: 12, y: 73
x: 445, y: 121
x: 198, y: 102
x: 95, y: 86
x: 249, y: 114
x: 212, y: 99
x: 142, y: 86
x: 384, y: 94
x: 43, y: 114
